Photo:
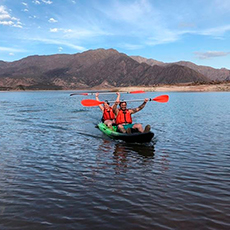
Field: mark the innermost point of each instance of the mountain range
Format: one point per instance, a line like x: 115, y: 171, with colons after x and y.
x: 212, y: 73
x: 101, y: 68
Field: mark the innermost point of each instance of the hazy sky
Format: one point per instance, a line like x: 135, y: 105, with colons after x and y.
x: 164, y: 30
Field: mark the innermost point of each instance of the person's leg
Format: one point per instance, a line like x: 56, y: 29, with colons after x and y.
x: 128, y: 128
x: 138, y: 127
x: 121, y: 128
x: 109, y: 123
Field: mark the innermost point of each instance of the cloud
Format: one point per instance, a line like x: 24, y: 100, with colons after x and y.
x: 79, y: 33
x: 7, y: 20
x: 210, y: 54
x: 130, y: 46
x: 6, y: 23
x: 54, y: 30
x: 25, y: 4
x: 3, y: 13
x: 52, y: 20
x: 134, y: 12
x: 142, y: 20
x: 222, y: 5
x: 26, y: 7
x: 216, y: 31
x: 11, y: 50
x: 34, y: 16
x: 131, y: 25
x: 59, y: 42
x: 154, y: 24
x: 38, y: 2
x: 169, y: 36
x: 163, y: 38
x: 186, y: 25
x: 47, y: 1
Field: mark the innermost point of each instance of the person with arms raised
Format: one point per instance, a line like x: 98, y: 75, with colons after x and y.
x: 108, y: 116
x: 124, y: 119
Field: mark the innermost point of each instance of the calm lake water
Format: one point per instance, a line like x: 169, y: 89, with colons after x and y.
x: 57, y: 171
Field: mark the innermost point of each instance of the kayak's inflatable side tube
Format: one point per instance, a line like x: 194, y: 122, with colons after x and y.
x: 133, y: 137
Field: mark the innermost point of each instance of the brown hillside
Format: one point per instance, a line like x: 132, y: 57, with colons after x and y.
x: 211, y: 73
x: 89, y: 69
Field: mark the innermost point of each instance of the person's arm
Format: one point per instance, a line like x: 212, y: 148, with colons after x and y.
x: 115, y: 109
x: 132, y: 111
x: 97, y: 99
x: 117, y: 100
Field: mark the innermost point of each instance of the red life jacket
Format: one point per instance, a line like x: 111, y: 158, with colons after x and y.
x: 123, y: 117
x: 108, y: 115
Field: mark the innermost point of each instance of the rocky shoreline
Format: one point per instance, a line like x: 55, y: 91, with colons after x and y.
x: 216, y: 87
x: 220, y: 87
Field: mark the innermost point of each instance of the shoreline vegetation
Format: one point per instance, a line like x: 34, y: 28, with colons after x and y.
x: 185, y: 87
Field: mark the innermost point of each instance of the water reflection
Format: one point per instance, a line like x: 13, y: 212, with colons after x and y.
x: 145, y: 150
x: 123, y: 156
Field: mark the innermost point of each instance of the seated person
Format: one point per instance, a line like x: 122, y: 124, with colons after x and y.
x: 124, y: 119
x: 108, y: 116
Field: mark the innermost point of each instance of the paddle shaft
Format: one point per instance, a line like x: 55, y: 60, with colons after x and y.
x: 134, y: 100
x: 162, y: 99
x: 89, y: 94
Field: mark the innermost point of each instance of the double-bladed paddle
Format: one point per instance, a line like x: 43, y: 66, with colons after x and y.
x: 91, y: 102
x: 88, y: 94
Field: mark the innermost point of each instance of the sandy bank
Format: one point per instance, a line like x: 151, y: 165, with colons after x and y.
x: 222, y: 87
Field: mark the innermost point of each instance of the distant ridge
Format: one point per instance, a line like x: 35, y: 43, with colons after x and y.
x: 212, y: 73
x: 101, y: 67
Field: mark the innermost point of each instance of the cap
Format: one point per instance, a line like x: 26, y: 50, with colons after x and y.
x: 106, y: 101
x: 122, y: 102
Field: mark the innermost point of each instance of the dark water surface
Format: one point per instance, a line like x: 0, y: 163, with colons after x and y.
x: 57, y: 171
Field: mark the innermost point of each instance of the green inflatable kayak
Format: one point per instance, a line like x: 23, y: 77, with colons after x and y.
x: 133, y: 137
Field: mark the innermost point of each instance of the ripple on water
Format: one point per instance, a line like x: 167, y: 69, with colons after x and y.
x: 57, y: 171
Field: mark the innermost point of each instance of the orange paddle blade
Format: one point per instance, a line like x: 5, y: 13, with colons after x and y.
x: 91, y: 102
x: 161, y: 99
x: 137, y: 91
x: 72, y: 94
